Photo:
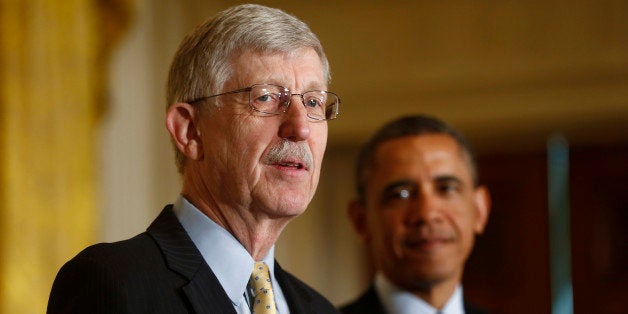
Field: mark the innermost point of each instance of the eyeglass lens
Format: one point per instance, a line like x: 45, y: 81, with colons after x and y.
x: 272, y: 99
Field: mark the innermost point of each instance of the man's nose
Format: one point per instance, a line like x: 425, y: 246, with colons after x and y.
x: 424, y: 208
x: 295, y: 125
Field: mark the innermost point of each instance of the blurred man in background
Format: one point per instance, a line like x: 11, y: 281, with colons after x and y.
x: 247, y: 113
x: 418, y: 209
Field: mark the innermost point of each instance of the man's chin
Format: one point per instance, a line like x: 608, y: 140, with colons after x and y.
x: 287, y: 208
x: 421, y: 281
x: 425, y: 274
x: 288, y: 213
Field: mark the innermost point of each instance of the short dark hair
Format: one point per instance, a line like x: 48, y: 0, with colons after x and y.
x: 402, y: 127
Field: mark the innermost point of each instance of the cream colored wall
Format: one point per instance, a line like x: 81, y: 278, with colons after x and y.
x: 136, y: 167
x: 128, y: 135
x: 507, y: 73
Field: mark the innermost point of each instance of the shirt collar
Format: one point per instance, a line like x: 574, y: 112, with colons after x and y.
x: 226, y: 256
x: 396, y: 300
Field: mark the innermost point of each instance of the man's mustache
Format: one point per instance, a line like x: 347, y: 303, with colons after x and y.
x: 287, y: 151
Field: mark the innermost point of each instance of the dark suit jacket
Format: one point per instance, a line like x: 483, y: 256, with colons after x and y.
x: 368, y: 303
x: 158, y: 271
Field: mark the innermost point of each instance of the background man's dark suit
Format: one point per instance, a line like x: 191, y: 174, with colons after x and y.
x: 158, y: 271
x: 368, y: 303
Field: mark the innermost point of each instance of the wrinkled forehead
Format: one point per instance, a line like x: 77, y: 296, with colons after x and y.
x: 301, y: 67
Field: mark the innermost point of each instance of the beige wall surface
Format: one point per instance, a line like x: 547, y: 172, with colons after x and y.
x: 507, y: 73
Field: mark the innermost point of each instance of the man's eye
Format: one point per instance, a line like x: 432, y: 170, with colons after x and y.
x: 313, y: 102
x: 404, y: 193
x: 399, y: 193
x: 448, y: 188
x: 265, y: 98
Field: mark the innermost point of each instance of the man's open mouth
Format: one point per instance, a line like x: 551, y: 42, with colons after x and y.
x: 289, y: 164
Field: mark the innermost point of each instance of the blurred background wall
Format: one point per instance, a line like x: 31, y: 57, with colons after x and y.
x: 508, y: 74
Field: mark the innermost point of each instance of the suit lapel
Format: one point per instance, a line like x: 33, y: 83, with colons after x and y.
x: 368, y: 302
x: 298, y: 299
x: 207, y: 295
x: 203, y: 291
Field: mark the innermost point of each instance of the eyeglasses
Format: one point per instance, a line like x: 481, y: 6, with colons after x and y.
x: 274, y: 100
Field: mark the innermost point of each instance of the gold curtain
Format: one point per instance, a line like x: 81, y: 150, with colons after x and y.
x: 52, y: 64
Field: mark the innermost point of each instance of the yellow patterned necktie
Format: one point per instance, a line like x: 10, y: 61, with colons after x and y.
x: 264, y: 298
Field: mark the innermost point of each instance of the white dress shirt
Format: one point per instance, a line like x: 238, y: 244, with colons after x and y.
x: 226, y: 256
x: 398, y: 301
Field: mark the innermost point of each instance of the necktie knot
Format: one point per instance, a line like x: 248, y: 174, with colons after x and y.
x: 263, y: 299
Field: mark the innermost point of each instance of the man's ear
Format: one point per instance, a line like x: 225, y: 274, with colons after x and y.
x: 181, y: 124
x: 357, y: 215
x: 482, y: 199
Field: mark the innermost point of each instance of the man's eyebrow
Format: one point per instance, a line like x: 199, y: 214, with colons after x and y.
x: 314, y: 85
x: 445, y: 178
